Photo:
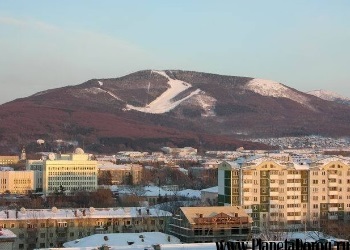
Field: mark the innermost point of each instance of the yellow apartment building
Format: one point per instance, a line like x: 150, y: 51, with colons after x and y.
x: 288, y: 195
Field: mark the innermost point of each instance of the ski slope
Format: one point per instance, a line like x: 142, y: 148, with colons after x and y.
x: 164, y: 102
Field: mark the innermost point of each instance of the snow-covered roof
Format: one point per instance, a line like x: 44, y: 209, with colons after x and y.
x: 145, y: 239
x: 152, y: 191
x: 211, y: 189
x: 102, y: 165
x: 182, y: 246
x: 6, y: 234
x: 62, y: 214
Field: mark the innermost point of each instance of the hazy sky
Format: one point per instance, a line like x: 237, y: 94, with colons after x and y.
x: 49, y: 44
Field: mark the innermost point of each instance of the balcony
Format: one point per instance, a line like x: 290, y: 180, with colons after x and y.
x: 332, y: 184
x: 293, y: 217
x: 274, y: 185
x: 290, y: 193
x: 334, y: 192
x: 333, y: 209
x: 333, y: 200
x: 61, y: 229
x: 274, y: 193
x: 333, y: 176
x: 293, y: 185
x: 274, y: 176
x: 247, y: 185
x: 294, y: 176
x: 333, y: 217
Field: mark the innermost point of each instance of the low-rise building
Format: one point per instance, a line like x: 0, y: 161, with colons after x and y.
x: 126, y: 174
x: 210, y: 224
x: 17, y: 182
x: 6, y: 160
x: 210, y: 195
x: 41, y: 228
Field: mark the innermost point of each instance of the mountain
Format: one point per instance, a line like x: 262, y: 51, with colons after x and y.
x: 149, y: 109
x: 330, y: 96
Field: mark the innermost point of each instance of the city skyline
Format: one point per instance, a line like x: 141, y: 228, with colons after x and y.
x: 49, y: 45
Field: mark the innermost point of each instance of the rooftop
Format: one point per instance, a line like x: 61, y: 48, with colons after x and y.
x: 145, y: 239
x: 61, y: 214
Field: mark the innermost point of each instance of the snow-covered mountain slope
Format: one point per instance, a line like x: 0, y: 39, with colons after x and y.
x: 275, y: 89
x: 329, y: 96
x: 164, y: 102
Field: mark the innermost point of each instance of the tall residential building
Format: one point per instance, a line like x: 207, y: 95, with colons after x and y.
x: 66, y: 172
x: 288, y: 195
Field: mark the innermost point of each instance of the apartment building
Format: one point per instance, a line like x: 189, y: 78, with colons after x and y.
x: 285, y: 194
x: 65, y: 172
x: 53, y: 227
x: 16, y: 182
x: 210, y: 224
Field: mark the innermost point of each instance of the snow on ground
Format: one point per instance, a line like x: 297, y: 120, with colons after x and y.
x: 207, y: 103
x: 99, y: 82
x: 328, y: 95
x: 97, y: 90
x: 164, y: 102
x: 275, y: 89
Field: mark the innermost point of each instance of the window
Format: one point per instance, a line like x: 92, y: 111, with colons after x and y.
x: 42, y: 235
x: 21, y: 246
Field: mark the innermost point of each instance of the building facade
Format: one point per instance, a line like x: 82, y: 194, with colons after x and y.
x: 53, y: 227
x: 126, y: 174
x: 17, y: 182
x: 210, y: 224
x: 8, y: 160
x: 65, y: 172
x: 283, y: 194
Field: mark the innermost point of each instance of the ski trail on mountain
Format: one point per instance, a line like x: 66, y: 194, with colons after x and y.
x: 164, y: 103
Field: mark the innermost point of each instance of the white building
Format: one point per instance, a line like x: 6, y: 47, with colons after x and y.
x: 65, y: 172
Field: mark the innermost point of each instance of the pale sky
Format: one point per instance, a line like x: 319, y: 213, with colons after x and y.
x: 50, y: 44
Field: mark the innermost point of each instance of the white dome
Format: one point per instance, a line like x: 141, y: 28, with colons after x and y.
x: 79, y: 151
x: 52, y: 156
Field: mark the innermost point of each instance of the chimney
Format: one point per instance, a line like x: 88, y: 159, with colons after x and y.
x: 16, y: 214
x: 140, y: 211
x: 75, y: 213
x: 7, y: 214
x: 147, y: 210
x: 84, y: 214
